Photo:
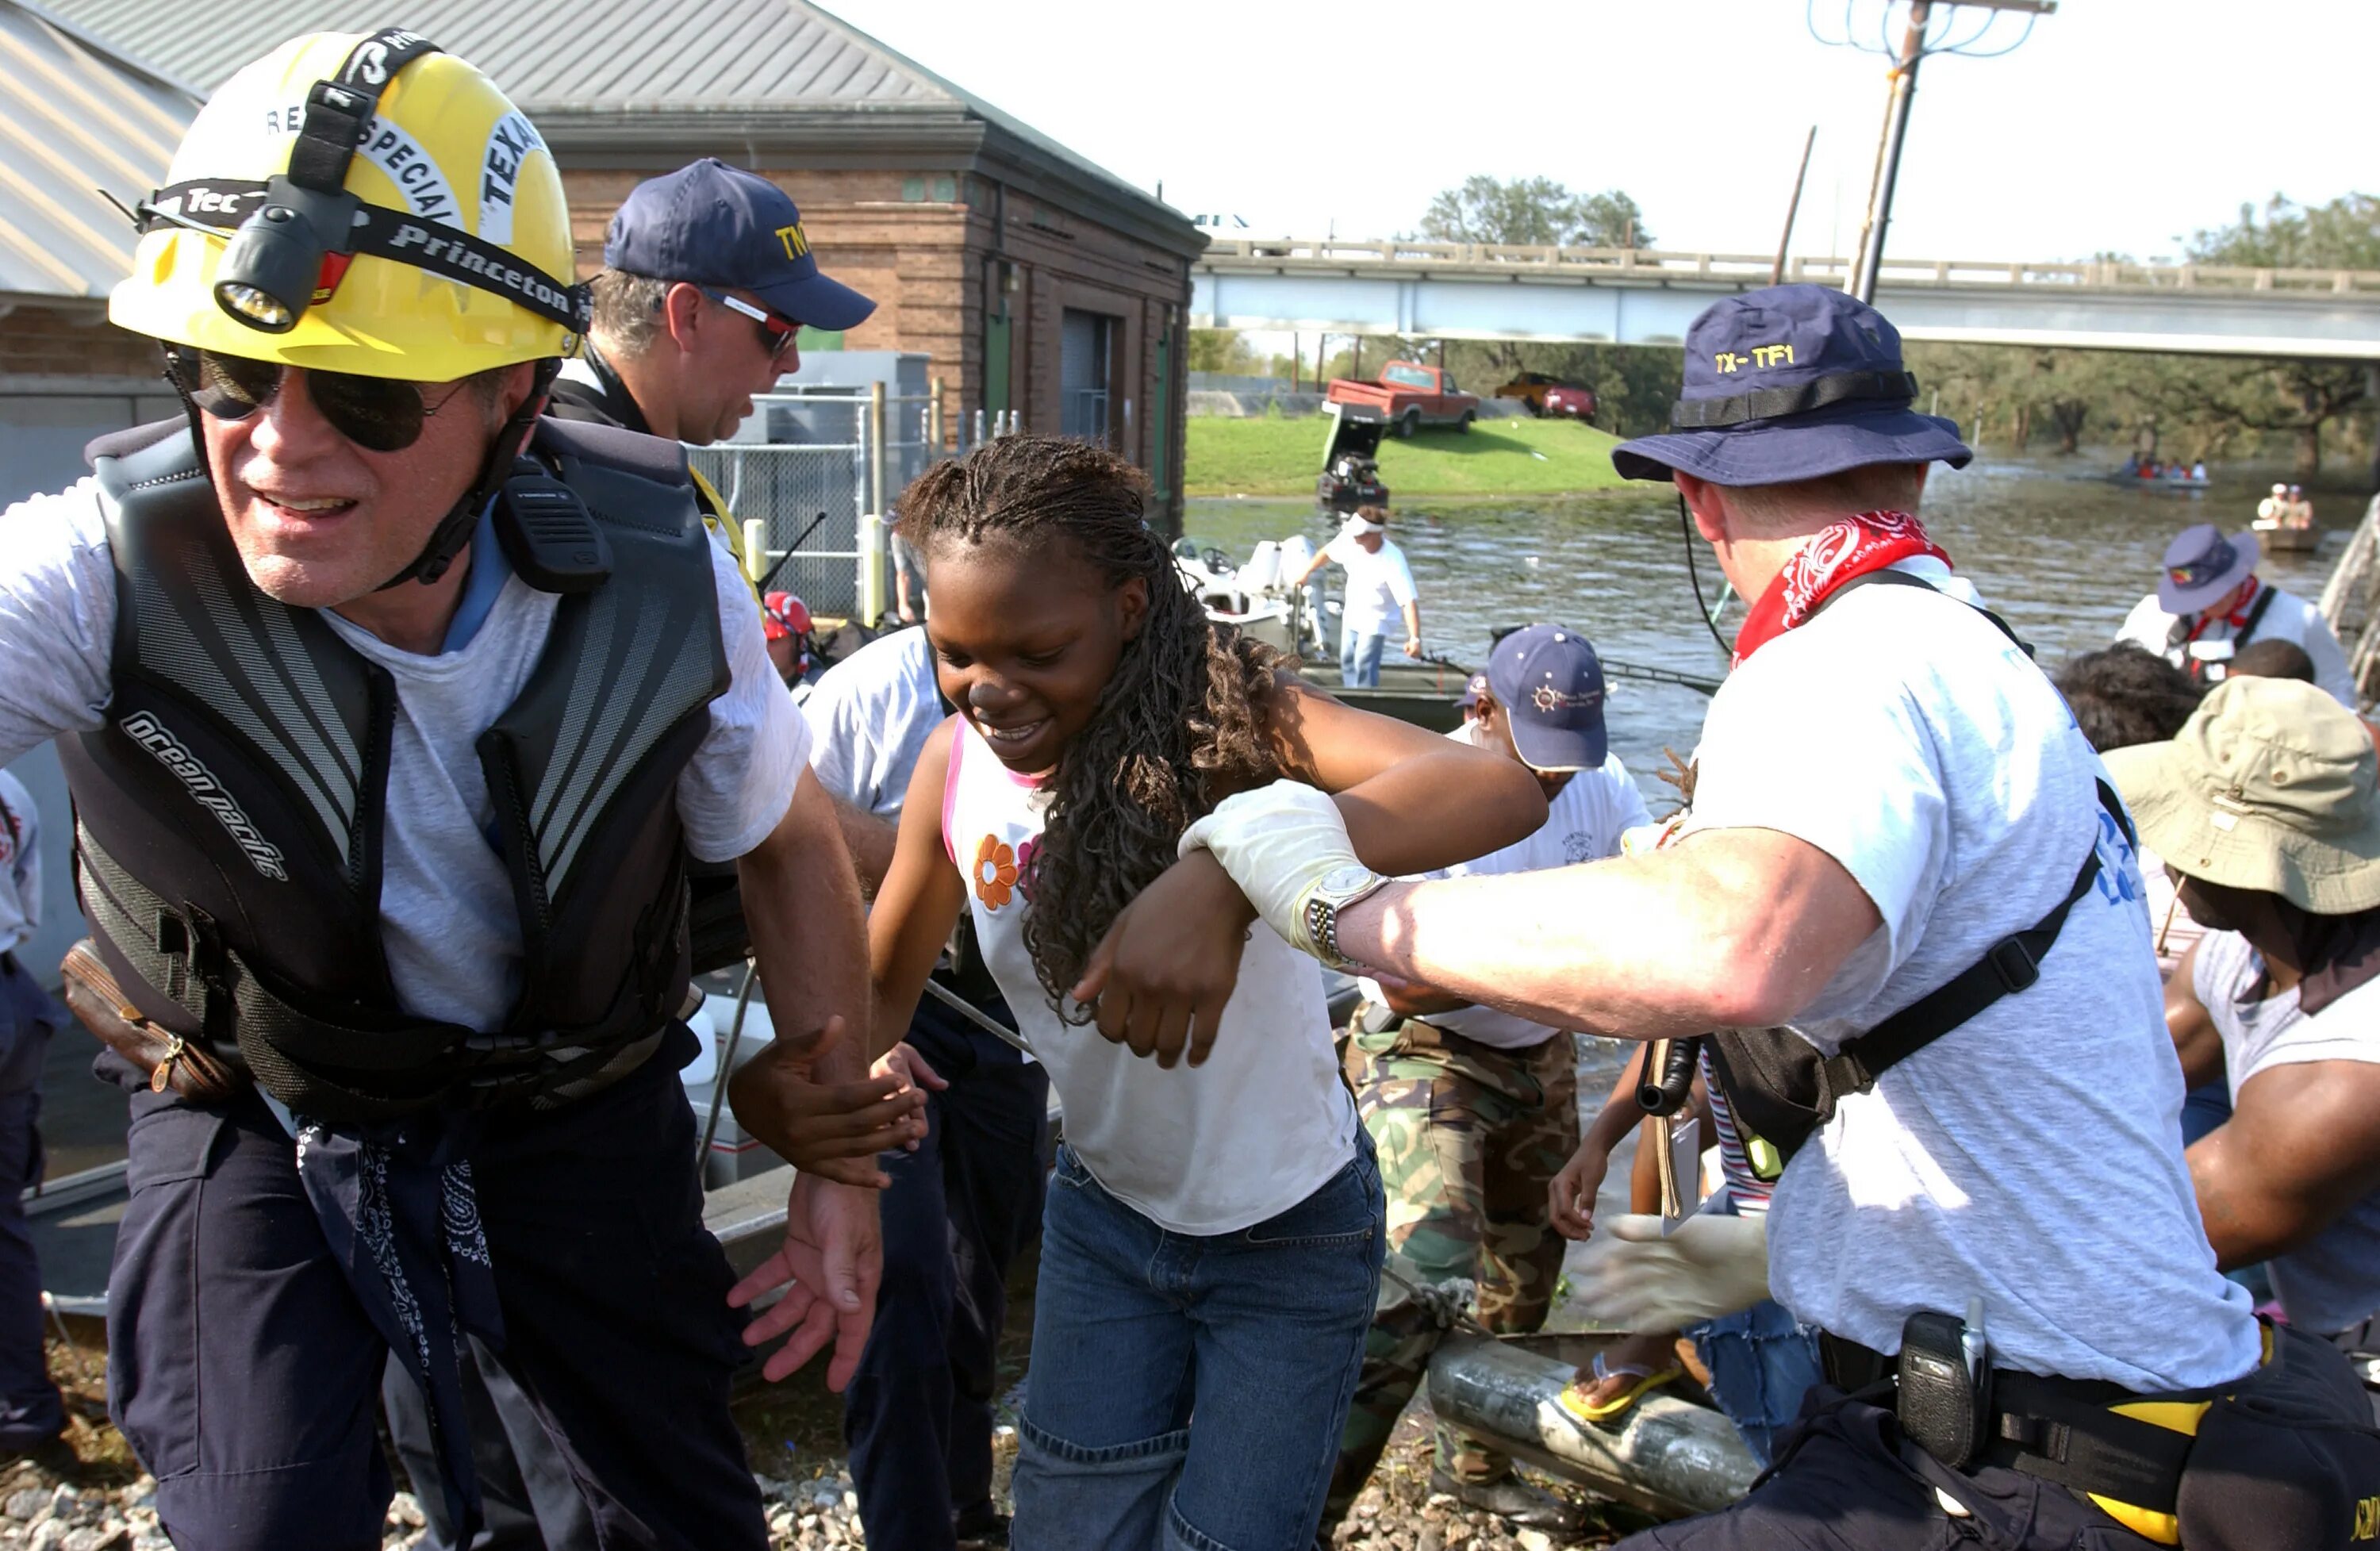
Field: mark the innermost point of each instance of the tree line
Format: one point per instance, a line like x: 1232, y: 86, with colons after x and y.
x: 2011, y: 399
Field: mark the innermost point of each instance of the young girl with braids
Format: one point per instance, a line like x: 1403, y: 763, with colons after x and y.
x: 1213, y: 1235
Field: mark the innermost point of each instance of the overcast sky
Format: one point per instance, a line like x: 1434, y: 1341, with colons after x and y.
x: 2120, y: 125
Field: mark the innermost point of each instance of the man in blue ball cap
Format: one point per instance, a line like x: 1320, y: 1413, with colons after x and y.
x: 1472, y: 1111
x: 2209, y: 602
x: 1902, y: 909
x: 708, y: 279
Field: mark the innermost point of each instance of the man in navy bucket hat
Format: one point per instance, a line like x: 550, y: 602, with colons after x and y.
x: 2209, y: 602
x: 1793, y: 383
x: 1904, y: 903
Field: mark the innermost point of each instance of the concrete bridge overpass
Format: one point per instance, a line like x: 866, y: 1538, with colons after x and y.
x: 1647, y: 297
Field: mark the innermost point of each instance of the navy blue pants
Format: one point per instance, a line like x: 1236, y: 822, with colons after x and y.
x: 30, y: 1411
x: 917, y: 1414
x: 246, y: 1376
x: 1846, y: 1480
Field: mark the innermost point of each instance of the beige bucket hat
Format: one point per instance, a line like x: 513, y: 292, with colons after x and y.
x: 2271, y: 785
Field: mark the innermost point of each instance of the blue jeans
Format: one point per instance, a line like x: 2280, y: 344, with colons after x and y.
x: 1761, y: 1361
x: 1359, y: 658
x: 1187, y: 1392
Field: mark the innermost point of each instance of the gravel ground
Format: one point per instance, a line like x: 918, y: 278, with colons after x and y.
x: 1398, y: 1512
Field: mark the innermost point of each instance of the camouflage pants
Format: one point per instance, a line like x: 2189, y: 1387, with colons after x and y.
x: 1469, y: 1138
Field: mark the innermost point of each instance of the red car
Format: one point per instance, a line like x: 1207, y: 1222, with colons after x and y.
x: 1550, y: 396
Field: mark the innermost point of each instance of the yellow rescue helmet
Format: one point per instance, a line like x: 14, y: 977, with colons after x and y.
x: 360, y: 203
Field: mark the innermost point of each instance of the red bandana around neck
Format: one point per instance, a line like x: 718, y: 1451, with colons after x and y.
x: 1834, y: 554
x: 2237, y: 619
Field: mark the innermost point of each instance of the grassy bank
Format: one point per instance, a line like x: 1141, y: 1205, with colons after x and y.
x: 1275, y: 456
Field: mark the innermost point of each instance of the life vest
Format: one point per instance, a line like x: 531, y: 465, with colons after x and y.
x: 231, y: 812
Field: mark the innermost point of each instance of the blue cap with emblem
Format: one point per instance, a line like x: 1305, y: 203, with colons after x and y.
x: 708, y: 224
x: 1551, y: 685
x: 1791, y: 382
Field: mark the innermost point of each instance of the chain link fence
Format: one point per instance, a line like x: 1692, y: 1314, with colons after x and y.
x: 811, y: 486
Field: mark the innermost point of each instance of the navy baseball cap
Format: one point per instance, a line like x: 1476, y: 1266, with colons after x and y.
x: 1791, y: 382
x: 2202, y: 566
x: 1551, y: 685
x: 708, y: 224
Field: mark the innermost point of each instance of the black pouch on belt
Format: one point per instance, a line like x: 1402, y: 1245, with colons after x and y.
x: 1943, y: 1404
x: 2288, y: 1461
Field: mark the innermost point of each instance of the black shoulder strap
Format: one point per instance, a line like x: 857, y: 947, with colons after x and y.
x: 1890, y: 577
x: 2011, y: 964
x: 2264, y: 596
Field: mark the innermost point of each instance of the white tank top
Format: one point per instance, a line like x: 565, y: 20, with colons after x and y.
x: 1257, y: 1128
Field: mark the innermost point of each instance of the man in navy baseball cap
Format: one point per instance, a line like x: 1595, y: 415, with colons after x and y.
x: 711, y: 224
x: 708, y: 279
x: 1545, y: 693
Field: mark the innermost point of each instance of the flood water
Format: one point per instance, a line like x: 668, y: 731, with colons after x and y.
x: 2058, y: 550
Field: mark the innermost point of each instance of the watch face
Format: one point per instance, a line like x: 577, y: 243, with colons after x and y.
x: 1345, y: 880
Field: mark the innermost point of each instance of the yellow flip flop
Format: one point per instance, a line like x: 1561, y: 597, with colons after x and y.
x: 1574, y: 1401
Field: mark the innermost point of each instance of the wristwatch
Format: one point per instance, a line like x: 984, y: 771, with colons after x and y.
x: 1338, y: 889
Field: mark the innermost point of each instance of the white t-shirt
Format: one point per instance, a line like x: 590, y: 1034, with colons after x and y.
x: 2332, y: 1281
x: 1582, y: 824
x: 869, y: 718
x: 20, y: 863
x: 1263, y: 1124
x: 2289, y: 618
x: 1378, y: 586
x: 448, y: 921
x: 2032, y: 1156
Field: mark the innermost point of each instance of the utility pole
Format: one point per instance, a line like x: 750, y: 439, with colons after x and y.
x: 1896, y: 128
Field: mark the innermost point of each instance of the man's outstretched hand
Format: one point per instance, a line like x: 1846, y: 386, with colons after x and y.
x: 834, y: 1130
x: 832, y: 1261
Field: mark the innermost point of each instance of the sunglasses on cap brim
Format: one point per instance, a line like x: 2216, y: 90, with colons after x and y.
x: 777, y: 334
x: 378, y: 413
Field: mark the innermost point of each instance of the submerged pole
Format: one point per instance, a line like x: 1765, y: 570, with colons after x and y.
x: 1671, y: 1457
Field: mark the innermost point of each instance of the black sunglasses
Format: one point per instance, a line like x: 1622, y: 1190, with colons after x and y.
x: 379, y: 414
x: 777, y: 334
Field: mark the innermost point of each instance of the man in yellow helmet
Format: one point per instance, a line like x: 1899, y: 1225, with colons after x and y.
x: 391, y: 712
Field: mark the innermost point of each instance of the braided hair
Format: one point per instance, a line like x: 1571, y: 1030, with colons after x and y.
x: 1181, y: 722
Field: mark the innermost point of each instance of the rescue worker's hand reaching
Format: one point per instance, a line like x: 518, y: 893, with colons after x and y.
x: 829, y: 1266
x: 1707, y: 1267
x: 832, y: 1129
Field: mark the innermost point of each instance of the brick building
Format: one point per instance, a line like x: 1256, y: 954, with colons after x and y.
x: 1035, y: 280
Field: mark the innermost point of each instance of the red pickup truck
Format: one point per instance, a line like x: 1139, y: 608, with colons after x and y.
x: 1408, y: 396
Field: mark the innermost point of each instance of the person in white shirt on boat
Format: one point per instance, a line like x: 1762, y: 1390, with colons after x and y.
x: 2210, y: 603
x: 1379, y: 588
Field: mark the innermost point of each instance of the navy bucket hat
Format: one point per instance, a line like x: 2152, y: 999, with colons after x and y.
x: 2201, y: 568
x: 1791, y: 382
x: 708, y: 224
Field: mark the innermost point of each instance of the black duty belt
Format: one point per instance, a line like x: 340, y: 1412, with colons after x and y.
x: 2059, y: 1430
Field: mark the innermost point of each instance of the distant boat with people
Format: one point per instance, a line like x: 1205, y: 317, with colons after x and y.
x: 2285, y: 521
x: 2150, y: 474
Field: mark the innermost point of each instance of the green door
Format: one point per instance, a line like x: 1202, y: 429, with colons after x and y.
x: 995, y: 363
x: 1160, y: 424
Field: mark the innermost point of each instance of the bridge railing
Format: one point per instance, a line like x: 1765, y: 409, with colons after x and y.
x: 1655, y: 266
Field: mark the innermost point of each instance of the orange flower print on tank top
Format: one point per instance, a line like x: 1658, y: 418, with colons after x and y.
x: 994, y: 872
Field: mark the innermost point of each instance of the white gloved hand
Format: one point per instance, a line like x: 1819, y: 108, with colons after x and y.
x: 1277, y: 842
x: 1711, y: 1265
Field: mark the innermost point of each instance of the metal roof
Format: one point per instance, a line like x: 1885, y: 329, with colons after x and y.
x: 577, y: 57
x: 75, y: 117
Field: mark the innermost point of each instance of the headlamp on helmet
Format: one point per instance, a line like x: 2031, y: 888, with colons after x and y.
x: 286, y: 256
